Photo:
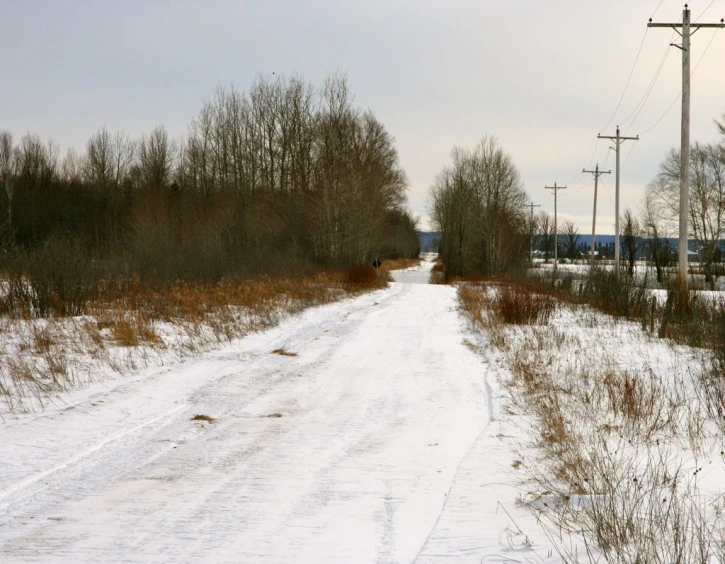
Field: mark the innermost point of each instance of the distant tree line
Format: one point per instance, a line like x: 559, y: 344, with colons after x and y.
x: 285, y: 177
x: 477, y: 204
x: 639, y: 239
x: 649, y: 233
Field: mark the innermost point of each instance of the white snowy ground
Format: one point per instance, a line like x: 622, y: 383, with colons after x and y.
x: 380, y: 447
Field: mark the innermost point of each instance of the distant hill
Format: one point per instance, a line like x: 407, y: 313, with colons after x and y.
x: 429, y: 241
x: 609, y: 240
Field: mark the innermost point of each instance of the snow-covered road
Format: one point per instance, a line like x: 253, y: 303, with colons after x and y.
x: 344, y: 449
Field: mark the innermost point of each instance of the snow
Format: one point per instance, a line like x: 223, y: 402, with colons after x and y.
x: 371, y: 441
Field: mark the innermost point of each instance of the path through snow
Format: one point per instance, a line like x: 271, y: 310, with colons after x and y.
x: 377, y: 412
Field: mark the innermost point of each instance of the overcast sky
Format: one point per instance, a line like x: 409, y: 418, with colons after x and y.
x: 544, y: 77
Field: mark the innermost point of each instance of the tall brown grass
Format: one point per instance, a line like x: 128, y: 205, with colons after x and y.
x: 399, y: 264
x: 519, y: 304
x: 62, y: 353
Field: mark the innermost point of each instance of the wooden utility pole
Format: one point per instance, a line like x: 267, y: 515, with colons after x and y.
x: 618, y: 140
x: 597, y: 173
x: 686, y: 31
x: 532, y: 205
x: 556, y: 189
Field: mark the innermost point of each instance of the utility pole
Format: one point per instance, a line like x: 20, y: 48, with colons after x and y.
x: 556, y: 189
x: 686, y: 32
x: 597, y: 173
x: 532, y: 205
x: 618, y: 140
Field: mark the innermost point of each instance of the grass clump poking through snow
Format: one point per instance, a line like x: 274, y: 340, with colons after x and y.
x: 205, y: 418
x: 622, y: 451
x: 283, y: 352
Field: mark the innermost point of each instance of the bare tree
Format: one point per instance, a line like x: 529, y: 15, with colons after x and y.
x: 454, y: 213
x: 72, y: 167
x: 476, y: 203
x: 546, y: 234
x: 123, y: 152
x: 720, y: 125
x: 35, y: 161
x: 157, y: 156
x: 7, y: 173
x: 631, y: 239
x: 285, y: 174
x: 99, y: 160
x: 656, y: 228
x: 707, y: 198
x: 570, y: 239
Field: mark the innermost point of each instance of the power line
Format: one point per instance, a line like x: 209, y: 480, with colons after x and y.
x: 629, y: 78
x: 606, y: 159
x: 629, y: 153
x: 667, y: 111
x: 609, y: 195
x: 638, y: 108
x: 703, y: 12
x: 685, y: 30
x: 556, y: 189
x: 621, y: 97
x: 578, y: 188
x: 705, y: 51
x: 591, y: 160
x: 597, y: 173
x: 650, y: 87
x: 618, y: 140
x: 669, y: 108
x: 531, y: 206
x: 631, y: 72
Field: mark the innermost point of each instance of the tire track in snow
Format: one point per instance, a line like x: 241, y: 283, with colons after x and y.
x: 15, y: 488
x: 379, y: 408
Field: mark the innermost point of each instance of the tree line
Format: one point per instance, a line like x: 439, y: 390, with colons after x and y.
x: 650, y: 231
x: 478, y: 201
x: 282, y: 178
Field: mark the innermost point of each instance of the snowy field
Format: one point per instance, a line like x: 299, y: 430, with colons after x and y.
x: 361, y: 431
x: 643, y: 273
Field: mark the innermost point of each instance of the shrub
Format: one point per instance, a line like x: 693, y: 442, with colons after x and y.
x: 57, y: 278
x: 612, y: 293
x: 522, y: 305
x: 362, y: 274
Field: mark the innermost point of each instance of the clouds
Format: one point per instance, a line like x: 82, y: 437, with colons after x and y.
x: 542, y: 77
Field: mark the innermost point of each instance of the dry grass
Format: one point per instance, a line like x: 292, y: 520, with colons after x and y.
x: 42, y: 338
x: 522, y: 305
x: 362, y: 274
x: 130, y: 325
x: 283, y: 352
x: 127, y: 329
x: 685, y: 317
x: 614, y: 443
x: 399, y: 264
x: 438, y: 273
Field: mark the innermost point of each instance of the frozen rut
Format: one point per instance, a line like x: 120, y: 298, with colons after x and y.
x: 345, y: 452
